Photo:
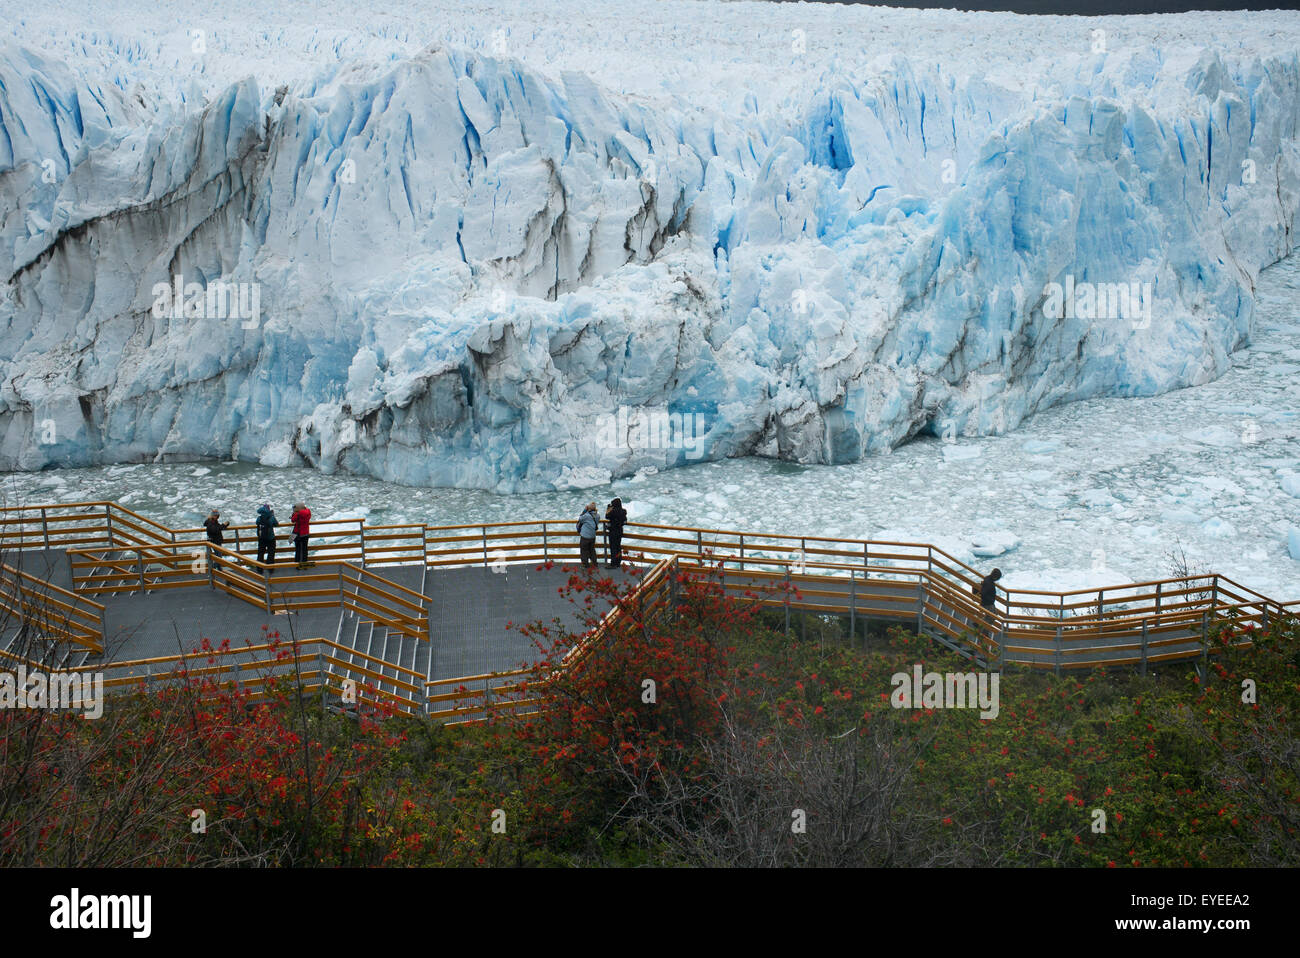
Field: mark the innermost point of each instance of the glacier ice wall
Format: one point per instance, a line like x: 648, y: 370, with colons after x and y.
x: 467, y: 268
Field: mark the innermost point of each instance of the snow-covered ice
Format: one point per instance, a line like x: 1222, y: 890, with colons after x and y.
x: 459, y: 239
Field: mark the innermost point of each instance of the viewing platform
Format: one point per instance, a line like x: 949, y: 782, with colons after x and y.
x: 422, y: 614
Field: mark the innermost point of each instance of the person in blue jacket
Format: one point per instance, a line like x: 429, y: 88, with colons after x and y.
x: 266, y: 524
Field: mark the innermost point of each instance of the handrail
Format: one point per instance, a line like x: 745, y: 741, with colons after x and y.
x: 655, y: 579
x: 82, y: 626
x: 390, y: 604
x: 818, y: 557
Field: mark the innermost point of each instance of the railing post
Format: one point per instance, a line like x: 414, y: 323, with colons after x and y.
x: 853, y: 607
x: 266, y: 586
x: 208, y: 562
x: 321, y: 677
x: 1057, y: 656
x: 1144, y: 646
x: 45, y: 528
x: 866, y: 563
x: 787, y: 601
x: 742, y: 552
x: 699, y: 548
x: 1214, y: 593
x: 485, y: 561
x: 1158, y: 585
x: 1205, y: 646
x: 139, y: 556
x: 920, y: 606
x: 108, y: 523
x: 546, y: 547
x: 361, y: 526
x: 424, y: 555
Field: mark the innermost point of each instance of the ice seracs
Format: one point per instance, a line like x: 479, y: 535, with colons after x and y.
x: 465, y: 262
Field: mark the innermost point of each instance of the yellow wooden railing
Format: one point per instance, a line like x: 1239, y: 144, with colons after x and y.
x: 1152, y: 620
x: 469, y: 699
x: 53, y: 612
x: 318, y: 665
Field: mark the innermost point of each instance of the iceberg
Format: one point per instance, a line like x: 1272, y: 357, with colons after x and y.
x: 449, y: 265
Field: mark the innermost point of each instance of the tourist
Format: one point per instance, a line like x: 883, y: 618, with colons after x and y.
x: 301, y: 519
x: 266, y: 524
x: 988, y: 593
x: 214, y: 525
x: 588, y: 523
x: 615, y: 518
x: 989, y: 590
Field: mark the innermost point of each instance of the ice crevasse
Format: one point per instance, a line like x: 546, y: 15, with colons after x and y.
x: 464, y: 269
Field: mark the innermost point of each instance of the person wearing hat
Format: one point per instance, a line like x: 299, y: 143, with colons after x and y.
x: 266, y: 524
x: 214, y: 525
x: 588, y: 523
x: 615, y: 519
x: 301, y: 519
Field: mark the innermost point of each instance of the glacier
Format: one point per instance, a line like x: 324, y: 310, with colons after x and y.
x: 473, y: 253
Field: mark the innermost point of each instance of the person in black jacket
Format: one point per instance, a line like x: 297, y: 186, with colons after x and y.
x: 615, y: 519
x: 214, y: 525
x: 989, y: 590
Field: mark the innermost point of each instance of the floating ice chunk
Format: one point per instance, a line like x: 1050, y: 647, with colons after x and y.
x: 1291, y: 485
x: 200, y: 471
x: 1218, y: 528
x: 1097, y: 498
x: 1214, y: 436
x: 993, y: 543
x: 1293, y: 542
x: 957, y: 452
x: 1219, y: 484
x: 1038, y: 447
x: 1180, y: 515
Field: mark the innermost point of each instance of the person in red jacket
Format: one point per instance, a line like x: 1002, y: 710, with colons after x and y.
x: 301, y: 519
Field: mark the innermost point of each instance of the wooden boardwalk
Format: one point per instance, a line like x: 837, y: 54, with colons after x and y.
x: 419, y: 613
